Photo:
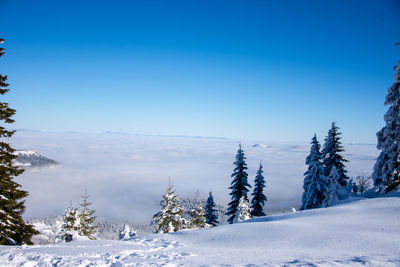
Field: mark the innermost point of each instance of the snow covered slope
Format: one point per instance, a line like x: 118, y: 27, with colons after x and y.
x: 364, y: 232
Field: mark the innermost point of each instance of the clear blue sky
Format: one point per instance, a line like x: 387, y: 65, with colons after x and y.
x: 268, y: 70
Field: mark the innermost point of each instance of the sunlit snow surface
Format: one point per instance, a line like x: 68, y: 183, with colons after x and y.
x: 127, y: 174
x: 359, y: 233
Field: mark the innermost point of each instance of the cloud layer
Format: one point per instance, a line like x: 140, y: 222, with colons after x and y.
x: 127, y: 174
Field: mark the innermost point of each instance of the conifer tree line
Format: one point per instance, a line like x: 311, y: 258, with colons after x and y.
x: 239, y: 208
x: 170, y: 217
x: 326, y: 181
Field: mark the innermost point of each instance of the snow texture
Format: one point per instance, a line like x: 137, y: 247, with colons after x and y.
x: 364, y: 232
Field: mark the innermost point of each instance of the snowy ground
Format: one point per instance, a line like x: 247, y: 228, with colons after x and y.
x: 363, y: 232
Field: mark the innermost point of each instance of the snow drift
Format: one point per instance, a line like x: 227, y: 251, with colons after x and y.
x: 364, y: 232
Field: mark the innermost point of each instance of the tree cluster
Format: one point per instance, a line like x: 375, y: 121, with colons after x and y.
x: 79, y: 222
x: 238, y: 208
x: 325, y: 181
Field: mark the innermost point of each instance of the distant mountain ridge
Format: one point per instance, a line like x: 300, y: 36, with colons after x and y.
x: 31, y: 159
x: 128, y: 134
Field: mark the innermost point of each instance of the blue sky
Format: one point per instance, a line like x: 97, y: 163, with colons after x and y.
x: 267, y: 70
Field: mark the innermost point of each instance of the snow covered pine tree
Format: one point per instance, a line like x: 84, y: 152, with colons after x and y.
x: 170, y: 217
x: 331, y: 157
x: 243, y: 211
x: 239, y: 185
x: 128, y: 232
x: 211, y: 213
x: 386, y: 174
x: 315, y: 182
x: 198, y: 214
x: 87, y: 227
x: 71, y: 227
x: 259, y: 199
x: 13, y: 229
x: 332, y: 192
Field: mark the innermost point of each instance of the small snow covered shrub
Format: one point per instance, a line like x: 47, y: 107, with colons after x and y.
x: 128, y: 232
x: 243, y: 211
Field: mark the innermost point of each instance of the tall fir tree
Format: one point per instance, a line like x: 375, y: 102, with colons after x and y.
x: 211, y: 212
x: 199, y: 214
x: 13, y: 229
x: 386, y: 174
x: 331, y: 155
x: 239, y: 184
x: 87, y: 218
x: 170, y: 217
x: 315, y: 182
x: 259, y: 199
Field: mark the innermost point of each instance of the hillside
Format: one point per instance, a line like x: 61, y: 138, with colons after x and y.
x: 365, y: 231
x: 32, y: 159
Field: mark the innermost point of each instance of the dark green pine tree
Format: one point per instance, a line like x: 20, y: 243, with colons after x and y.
x: 87, y: 218
x: 13, y: 229
x: 259, y: 199
x: 211, y: 212
x: 239, y: 184
x: 331, y: 155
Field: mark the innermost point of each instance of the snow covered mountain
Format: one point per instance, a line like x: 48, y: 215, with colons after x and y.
x: 365, y: 232
x: 261, y: 145
x: 31, y: 158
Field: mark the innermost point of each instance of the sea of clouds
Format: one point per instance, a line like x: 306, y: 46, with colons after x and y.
x: 127, y: 175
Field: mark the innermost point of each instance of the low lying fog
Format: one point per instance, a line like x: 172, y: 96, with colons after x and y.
x: 127, y: 175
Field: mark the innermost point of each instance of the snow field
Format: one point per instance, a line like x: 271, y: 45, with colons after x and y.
x: 364, y: 232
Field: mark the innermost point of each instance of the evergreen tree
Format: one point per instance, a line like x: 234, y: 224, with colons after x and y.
x: 128, y: 232
x: 211, y: 212
x: 13, y: 229
x: 259, y: 199
x: 71, y: 227
x: 386, y: 174
x: 87, y: 219
x: 239, y: 185
x: 333, y: 190
x: 331, y: 155
x: 199, y: 214
x: 315, y: 182
x: 170, y: 217
x: 243, y: 211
